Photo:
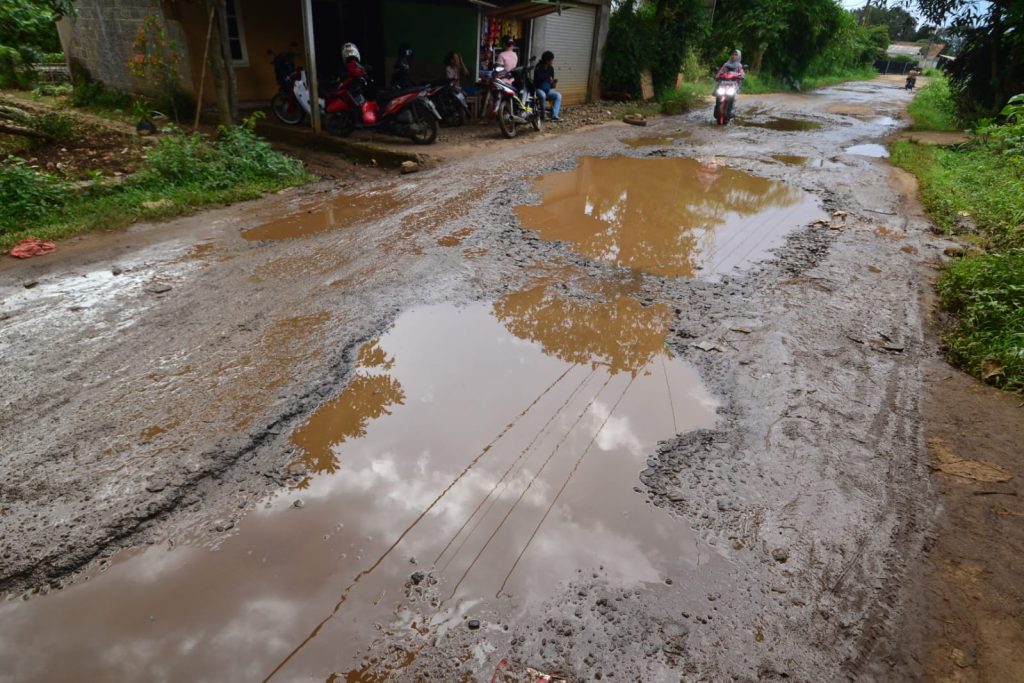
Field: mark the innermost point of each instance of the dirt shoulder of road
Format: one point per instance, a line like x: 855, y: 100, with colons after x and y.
x: 965, y: 612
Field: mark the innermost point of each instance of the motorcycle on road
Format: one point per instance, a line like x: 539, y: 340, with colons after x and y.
x: 727, y: 87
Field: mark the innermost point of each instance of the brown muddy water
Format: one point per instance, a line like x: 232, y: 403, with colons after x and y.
x: 340, y: 212
x: 666, y: 216
x: 794, y: 160
x: 656, y: 140
x: 497, y: 443
x: 778, y: 124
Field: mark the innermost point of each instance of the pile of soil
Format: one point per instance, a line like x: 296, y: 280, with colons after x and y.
x: 92, y: 149
x: 95, y: 145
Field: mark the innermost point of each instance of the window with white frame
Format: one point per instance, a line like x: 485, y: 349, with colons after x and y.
x: 236, y: 34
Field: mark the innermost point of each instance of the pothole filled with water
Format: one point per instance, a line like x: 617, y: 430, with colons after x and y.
x: 339, y: 212
x: 813, y: 162
x: 778, y: 124
x: 666, y: 216
x: 656, y: 140
x: 498, y: 444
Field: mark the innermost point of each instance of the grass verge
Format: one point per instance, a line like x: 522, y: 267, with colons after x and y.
x: 968, y: 191
x: 933, y: 108
x: 976, y: 191
x: 986, y: 293
x: 179, y: 174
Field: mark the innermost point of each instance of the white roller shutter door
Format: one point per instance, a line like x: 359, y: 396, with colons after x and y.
x: 571, y: 37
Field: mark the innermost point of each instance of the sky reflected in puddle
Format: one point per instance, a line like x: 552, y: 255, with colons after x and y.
x: 666, y: 216
x: 499, y: 443
x: 869, y: 150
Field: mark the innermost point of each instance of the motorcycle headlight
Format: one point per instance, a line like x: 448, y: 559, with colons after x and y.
x: 720, y: 91
x: 730, y: 90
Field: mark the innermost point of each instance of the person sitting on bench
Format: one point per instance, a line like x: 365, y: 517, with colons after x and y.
x: 544, y: 81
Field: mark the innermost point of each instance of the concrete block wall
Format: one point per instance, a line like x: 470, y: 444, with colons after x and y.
x: 99, y: 40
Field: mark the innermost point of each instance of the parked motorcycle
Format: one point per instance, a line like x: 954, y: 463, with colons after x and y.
x: 450, y: 102
x: 291, y: 82
x: 514, y: 101
x: 726, y: 88
x: 407, y: 112
x: 911, y: 81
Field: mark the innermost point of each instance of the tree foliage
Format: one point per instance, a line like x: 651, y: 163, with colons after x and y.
x: 989, y: 68
x: 27, y: 31
x: 900, y: 23
x: 650, y: 35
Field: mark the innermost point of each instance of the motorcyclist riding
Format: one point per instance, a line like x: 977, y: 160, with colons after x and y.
x: 732, y: 69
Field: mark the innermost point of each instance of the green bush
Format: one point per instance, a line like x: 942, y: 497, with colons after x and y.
x: 986, y: 292
x: 95, y: 95
x: 934, y: 108
x: 682, y: 99
x: 26, y: 193
x: 59, y: 126
x: 238, y: 155
x: 53, y: 89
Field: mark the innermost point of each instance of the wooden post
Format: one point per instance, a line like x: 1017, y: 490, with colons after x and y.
x: 314, y: 90
x: 202, y: 74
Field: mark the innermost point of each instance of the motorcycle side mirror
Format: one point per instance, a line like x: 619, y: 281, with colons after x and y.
x: 745, y: 66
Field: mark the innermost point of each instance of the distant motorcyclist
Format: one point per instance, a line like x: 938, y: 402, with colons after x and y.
x: 733, y: 69
x: 401, y: 76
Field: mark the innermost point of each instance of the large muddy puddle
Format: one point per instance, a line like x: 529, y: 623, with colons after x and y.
x: 339, y: 212
x: 656, y: 140
x: 666, y: 216
x: 784, y: 125
x: 498, y: 444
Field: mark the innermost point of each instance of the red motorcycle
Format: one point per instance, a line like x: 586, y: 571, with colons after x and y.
x: 407, y: 112
x: 726, y: 88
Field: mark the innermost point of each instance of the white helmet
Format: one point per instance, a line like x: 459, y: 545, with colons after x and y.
x: 349, y: 50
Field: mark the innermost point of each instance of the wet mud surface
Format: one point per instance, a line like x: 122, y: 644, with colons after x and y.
x: 405, y: 428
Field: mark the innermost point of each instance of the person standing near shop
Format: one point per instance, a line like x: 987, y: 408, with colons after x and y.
x: 544, y: 81
x: 508, y: 58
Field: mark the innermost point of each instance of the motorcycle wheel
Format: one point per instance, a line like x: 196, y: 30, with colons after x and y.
x: 340, y: 125
x: 505, y: 119
x: 718, y: 112
x: 424, y: 126
x: 456, y: 115
x: 286, y: 109
x: 535, y: 121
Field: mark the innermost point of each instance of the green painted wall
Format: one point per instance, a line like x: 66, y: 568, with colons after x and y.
x: 431, y: 30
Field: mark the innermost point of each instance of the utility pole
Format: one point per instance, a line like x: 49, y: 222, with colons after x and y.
x: 314, y: 90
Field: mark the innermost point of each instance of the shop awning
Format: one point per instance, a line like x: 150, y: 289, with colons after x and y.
x: 518, y: 9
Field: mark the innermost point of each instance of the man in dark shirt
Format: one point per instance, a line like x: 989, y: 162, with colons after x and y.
x: 544, y: 81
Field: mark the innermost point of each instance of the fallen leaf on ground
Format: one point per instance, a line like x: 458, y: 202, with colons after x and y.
x: 948, y: 462
x: 991, y: 368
